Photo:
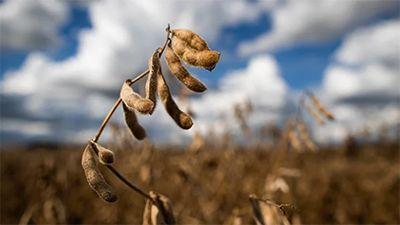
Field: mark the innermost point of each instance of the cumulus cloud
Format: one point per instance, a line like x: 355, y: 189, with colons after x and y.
x: 75, y: 93
x: 306, y: 21
x: 66, y: 100
x: 362, y: 86
x: 260, y: 82
x: 378, y: 44
x: 31, y: 24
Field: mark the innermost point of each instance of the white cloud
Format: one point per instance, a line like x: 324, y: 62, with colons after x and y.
x: 344, y: 82
x: 362, y: 87
x: 306, y: 21
x: 379, y: 44
x: 123, y: 36
x: 68, y: 99
x: 31, y: 24
x: 260, y: 81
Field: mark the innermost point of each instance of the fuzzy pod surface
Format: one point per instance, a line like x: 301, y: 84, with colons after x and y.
x: 94, y: 177
x: 206, y: 59
x: 151, y: 83
x: 134, y: 101
x: 131, y: 121
x: 192, y: 39
x: 182, y: 119
x: 106, y: 156
x: 180, y: 72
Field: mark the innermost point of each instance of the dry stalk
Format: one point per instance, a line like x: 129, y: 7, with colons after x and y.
x: 195, y: 52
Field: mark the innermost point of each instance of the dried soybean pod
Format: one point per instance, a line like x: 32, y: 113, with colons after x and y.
x: 131, y: 121
x: 321, y: 108
x: 294, y: 140
x: 106, y: 156
x: 206, y: 59
x: 147, y: 213
x: 191, y: 38
x: 151, y: 83
x: 134, y: 101
x: 180, y: 72
x: 94, y: 177
x: 181, y: 119
x: 305, y: 136
x: 162, y: 212
x: 266, y: 212
x: 315, y: 115
x: 257, y: 213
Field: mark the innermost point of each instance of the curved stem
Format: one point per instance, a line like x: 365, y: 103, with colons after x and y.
x: 111, y: 112
x: 115, y: 106
x: 131, y: 81
x: 129, y: 184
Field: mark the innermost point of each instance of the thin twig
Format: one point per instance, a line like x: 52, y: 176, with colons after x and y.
x: 111, y: 112
x: 131, y: 81
x: 128, y: 183
x: 115, y: 106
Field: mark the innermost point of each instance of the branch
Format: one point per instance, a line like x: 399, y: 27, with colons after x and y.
x: 111, y: 112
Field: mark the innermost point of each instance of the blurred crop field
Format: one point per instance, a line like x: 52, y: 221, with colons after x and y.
x: 352, y: 183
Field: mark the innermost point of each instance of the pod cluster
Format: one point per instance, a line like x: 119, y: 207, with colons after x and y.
x: 181, y: 46
x: 186, y: 46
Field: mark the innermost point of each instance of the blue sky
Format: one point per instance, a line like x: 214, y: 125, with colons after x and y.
x: 298, y: 42
x: 78, y: 19
x: 309, y: 59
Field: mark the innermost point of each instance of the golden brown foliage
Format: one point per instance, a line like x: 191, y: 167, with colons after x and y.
x: 356, y: 190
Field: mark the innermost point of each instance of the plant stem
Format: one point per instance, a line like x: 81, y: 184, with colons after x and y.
x: 129, y: 184
x: 111, y: 112
x: 131, y: 81
x: 115, y: 106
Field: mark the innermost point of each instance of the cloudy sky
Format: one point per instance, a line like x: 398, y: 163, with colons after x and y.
x: 63, y: 62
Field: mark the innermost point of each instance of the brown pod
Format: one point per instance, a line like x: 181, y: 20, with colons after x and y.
x: 266, y: 212
x: 162, y: 212
x: 181, y: 119
x: 94, y: 177
x: 305, y: 136
x: 315, y: 115
x: 191, y: 38
x: 177, y: 69
x: 151, y: 83
x: 147, y: 213
x: 131, y: 121
x: 134, y: 101
x: 321, y: 108
x: 294, y: 140
x: 106, y: 156
x: 206, y: 59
